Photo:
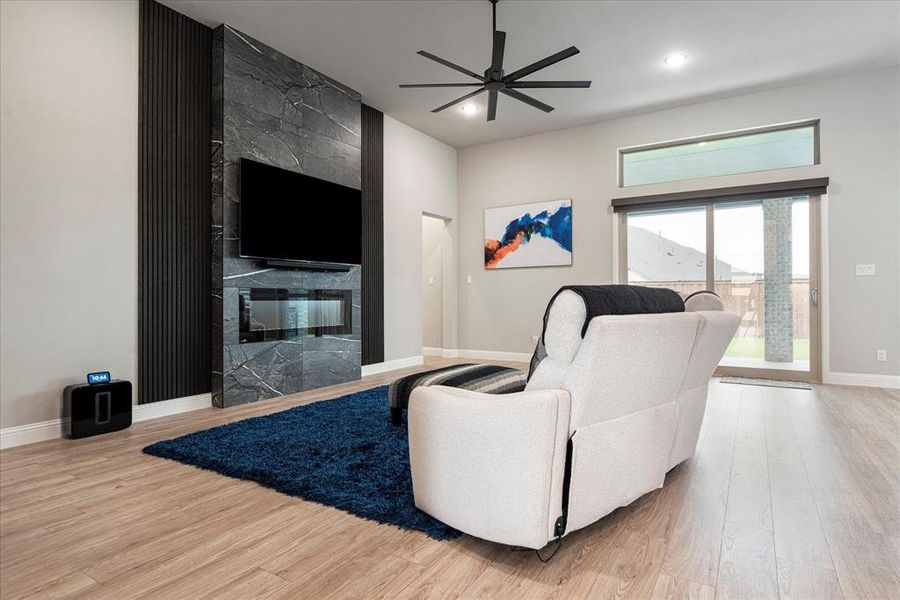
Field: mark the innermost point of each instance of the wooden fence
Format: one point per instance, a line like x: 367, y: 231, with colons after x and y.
x: 747, y: 299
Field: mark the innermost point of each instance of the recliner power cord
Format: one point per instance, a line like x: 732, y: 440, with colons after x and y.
x: 557, y: 543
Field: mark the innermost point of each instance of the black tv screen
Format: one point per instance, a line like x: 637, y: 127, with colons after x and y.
x: 291, y: 216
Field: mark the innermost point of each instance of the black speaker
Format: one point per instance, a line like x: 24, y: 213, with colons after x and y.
x: 92, y: 409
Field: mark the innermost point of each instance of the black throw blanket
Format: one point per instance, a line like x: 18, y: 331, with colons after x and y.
x: 612, y: 300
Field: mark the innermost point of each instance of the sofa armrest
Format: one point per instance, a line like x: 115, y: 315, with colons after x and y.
x: 490, y: 465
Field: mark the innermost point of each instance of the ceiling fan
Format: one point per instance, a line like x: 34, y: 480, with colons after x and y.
x: 494, y: 82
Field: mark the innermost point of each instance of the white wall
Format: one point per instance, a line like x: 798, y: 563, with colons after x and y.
x: 860, y: 135
x: 68, y: 199
x: 419, y: 178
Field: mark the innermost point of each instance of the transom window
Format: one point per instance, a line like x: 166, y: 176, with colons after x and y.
x: 760, y: 149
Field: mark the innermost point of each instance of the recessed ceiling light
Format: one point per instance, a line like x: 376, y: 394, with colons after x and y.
x: 469, y: 108
x: 675, y: 60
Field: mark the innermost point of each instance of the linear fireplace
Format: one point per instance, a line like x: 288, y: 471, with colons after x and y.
x: 269, y: 314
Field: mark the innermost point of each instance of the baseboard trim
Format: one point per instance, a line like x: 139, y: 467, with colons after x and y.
x: 30, y: 433
x: 442, y: 352
x: 165, y: 408
x: 480, y: 354
x: 863, y: 379
x: 392, y: 365
x: 496, y: 355
x: 52, y: 429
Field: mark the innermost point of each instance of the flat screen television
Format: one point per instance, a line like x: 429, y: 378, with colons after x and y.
x: 288, y: 216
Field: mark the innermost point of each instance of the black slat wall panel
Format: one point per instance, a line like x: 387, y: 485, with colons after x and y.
x: 373, y: 236
x: 173, y: 205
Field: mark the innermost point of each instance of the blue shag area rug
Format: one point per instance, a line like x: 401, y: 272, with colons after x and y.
x: 342, y: 452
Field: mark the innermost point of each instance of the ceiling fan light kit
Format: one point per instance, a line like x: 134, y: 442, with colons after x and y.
x: 495, y: 82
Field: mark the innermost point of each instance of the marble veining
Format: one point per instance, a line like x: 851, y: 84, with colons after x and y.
x: 271, y: 108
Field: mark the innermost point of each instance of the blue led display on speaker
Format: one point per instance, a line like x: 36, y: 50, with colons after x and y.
x: 98, y: 377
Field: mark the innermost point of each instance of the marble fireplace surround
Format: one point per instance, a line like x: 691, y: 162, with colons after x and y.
x: 273, y: 109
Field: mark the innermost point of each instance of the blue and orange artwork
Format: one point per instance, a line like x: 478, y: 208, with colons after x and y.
x: 528, y: 235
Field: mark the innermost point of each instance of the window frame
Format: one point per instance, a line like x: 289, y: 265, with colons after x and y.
x: 788, y: 126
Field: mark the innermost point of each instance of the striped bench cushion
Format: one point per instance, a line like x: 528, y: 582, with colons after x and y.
x: 491, y: 379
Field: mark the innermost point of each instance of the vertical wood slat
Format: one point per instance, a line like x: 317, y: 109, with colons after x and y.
x: 373, y: 235
x: 173, y: 197
x: 215, y: 214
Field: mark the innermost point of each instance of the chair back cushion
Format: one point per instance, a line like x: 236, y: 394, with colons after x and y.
x: 717, y: 328
x: 627, y: 364
x: 572, y: 308
x: 620, y: 300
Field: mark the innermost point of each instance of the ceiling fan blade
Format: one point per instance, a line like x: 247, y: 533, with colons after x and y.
x: 492, y: 105
x: 543, y: 63
x: 548, y: 84
x: 497, y: 55
x: 437, y: 85
x: 458, y: 100
x: 453, y: 66
x: 527, y: 99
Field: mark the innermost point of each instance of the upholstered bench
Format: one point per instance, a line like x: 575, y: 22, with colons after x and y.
x: 490, y: 379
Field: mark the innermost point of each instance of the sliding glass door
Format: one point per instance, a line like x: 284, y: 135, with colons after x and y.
x: 764, y: 267
x: 763, y: 273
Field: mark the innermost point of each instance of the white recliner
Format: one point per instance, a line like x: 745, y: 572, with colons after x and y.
x: 624, y: 404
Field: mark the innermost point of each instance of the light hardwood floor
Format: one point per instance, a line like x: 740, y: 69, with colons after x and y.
x: 792, y: 494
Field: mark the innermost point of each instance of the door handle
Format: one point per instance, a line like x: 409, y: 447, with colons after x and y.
x: 814, y: 296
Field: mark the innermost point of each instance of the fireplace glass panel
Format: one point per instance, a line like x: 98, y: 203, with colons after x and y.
x: 271, y: 314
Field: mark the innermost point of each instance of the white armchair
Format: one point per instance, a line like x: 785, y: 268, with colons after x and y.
x: 622, y: 406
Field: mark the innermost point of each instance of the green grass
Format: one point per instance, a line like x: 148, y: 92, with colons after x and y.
x: 756, y: 348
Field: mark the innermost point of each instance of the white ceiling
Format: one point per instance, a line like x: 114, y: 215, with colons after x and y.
x: 733, y: 48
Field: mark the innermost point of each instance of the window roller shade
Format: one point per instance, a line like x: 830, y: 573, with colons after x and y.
x: 741, y: 193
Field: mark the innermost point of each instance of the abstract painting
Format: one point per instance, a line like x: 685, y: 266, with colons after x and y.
x: 528, y: 235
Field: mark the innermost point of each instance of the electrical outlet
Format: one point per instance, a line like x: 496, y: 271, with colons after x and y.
x: 431, y: 280
x: 881, y: 355
x: 865, y: 269
x: 534, y: 339
x: 468, y: 280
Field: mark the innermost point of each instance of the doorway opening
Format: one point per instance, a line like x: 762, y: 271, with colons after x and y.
x: 434, y: 238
